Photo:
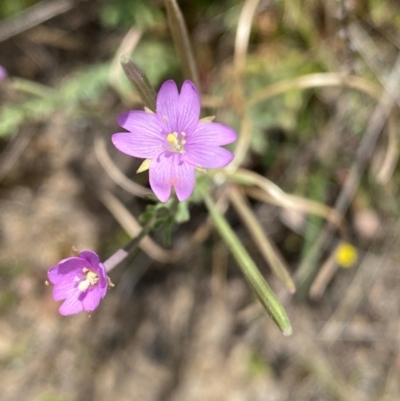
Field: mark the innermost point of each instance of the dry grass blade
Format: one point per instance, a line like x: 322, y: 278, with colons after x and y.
x: 127, y: 46
x: 267, y: 191
x: 296, y: 203
x: 315, y: 81
x: 376, y: 123
x: 114, y: 172
x: 243, y: 34
x: 269, y: 252
x: 213, y: 102
x: 33, y: 16
x: 367, y: 49
x: 242, y: 145
x: 181, y: 39
x: 325, y: 275
x: 374, y: 128
x: 391, y: 158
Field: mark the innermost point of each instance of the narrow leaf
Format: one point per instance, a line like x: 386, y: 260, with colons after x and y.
x: 266, y: 247
x: 253, y: 276
x: 140, y: 81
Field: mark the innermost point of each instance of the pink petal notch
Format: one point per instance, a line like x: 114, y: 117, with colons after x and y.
x: 188, y: 109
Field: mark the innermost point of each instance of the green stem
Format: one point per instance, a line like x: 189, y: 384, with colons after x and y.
x: 266, y: 247
x: 250, y: 271
x: 32, y: 88
x: 118, y: 256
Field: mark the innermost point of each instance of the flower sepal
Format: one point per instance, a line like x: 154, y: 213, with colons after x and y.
x: 208, y: 119
x: 144, y: 166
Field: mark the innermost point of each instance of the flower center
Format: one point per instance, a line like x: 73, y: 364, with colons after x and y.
x: 176, y: 142
x: 92, y: 279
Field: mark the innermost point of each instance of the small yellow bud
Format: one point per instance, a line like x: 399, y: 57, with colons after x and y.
x: 346, y: 255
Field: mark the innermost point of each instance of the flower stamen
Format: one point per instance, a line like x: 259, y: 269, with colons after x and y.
x: 92, y: 279
x: 176, y: 142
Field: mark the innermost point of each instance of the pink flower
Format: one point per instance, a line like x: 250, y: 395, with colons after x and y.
x: 81, y: 281
x: 174, y: 140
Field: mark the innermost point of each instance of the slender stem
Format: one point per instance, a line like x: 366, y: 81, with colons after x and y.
x: 181, y: 40
x: 243, y: 33
x: 32, y: 88
x: 250, y: 271
x: 118, y: 256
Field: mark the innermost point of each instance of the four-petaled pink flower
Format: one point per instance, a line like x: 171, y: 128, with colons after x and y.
x: 81, y: 281
x: 174, y: 140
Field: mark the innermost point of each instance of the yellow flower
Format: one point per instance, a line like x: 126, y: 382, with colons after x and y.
x: 346, y: 255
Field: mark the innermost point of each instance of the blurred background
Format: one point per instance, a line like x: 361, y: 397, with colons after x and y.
x: 183, y: 326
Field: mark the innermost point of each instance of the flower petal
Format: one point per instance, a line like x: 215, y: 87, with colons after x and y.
x: 212, y: 134
x: 169, y: 170
x: 92, y: 258
x: 65, y: 288
x: 140, y: 121
x: 91, y: 299
x: 189, y: 108
x: 53, y: 275
x: 145, y: 137
x: 179, y: 112
x: 103, y: 288
x: 65, y: 267
x: 76, y: 263
x: 168, y: 104
x: 185, y: 184
x: 136, y: 145
x: 207, y: 156
x: 72, y: 305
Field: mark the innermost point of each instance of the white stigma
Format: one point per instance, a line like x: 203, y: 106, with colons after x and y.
x: 91, y: 279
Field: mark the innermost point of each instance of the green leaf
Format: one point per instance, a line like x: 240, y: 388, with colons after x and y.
x: 250, y: 271
x: 140, y: 81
